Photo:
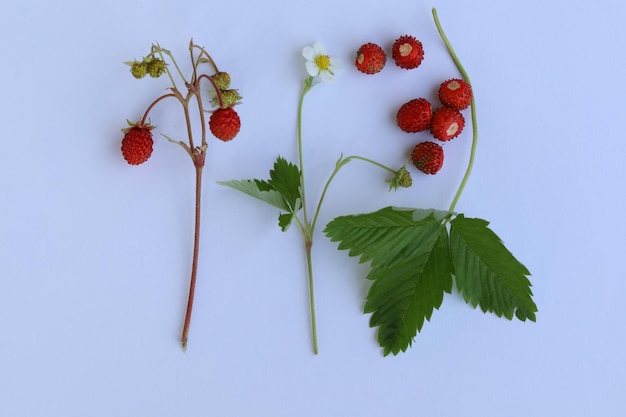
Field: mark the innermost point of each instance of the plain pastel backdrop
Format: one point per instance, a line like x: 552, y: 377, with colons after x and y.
x: 95, y: 254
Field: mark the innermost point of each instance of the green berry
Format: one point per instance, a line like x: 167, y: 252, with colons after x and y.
x: 156, y: 67
x: 138, y: 69
x: 229, y: 98
x: 404, y: 178
x: 221, y: 80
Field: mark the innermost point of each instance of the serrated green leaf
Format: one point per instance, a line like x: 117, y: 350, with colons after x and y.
x: 285, y: 178
x: 411, y: 267
x: 487, y: 274
x: 282, y: 190
x: 258, y: 189
x: 284, y: 220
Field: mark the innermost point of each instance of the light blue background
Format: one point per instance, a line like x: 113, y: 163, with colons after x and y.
x: 95, y: 254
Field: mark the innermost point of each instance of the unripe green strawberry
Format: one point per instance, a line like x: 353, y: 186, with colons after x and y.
x: 427, y: 157
x: 221, y: 80
x: 229, y: 98
x: 225, y: 124
x: 156, y: 67
x: 138, y: 69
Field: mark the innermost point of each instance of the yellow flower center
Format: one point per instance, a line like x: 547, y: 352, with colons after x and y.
x: 322, y: 62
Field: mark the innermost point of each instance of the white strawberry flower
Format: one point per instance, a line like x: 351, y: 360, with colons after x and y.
x: 319, y: 63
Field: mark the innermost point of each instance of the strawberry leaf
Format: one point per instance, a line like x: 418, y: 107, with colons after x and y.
x: 285, y: 178
x: 282, y: 190
x: 486, y: 273
x: 411, y: 267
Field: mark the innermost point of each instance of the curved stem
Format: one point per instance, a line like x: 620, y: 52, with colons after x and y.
x: 208, y: 57
x: 461, y: 69
x: 340, y: 163
x: 151, y: 106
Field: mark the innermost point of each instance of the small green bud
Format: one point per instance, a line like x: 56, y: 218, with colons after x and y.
x: 138, y: 69
x: 156, y: 67
x: 221, y: 80
x: 402, y: 178
x: 229, y: 98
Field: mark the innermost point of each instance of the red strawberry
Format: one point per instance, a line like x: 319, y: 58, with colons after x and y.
x: 455, y: 93
x: 225, y: 124
x: 415, y: 115
x: 407, y: 52
x: 447, y: 123
x: 427, y: 157
x: 137, y: 144
x: 370, y: 58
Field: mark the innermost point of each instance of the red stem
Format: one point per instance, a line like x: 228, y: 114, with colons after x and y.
x: 198, y: 158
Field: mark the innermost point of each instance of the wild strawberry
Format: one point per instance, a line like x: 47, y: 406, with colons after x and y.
x: 407, y: 52
x: 455, y: 93
x: 427, y: 157
x: 137, y: 144
x: 221, y: 80
x: 415, y: 115
x: 229, y: 98
x: 447, y: 123
x: 138, y: 69
x: 156, y: 67
x: 225, y: 123
x: 370, y: 58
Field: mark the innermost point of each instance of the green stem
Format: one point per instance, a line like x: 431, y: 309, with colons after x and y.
x: 340, y: 163
x: 305, y: 89
x: 461, y: 69
x: 307, y: 231
x: 308, y: 243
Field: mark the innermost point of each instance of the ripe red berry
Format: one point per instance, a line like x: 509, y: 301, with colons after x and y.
x: 427, y: 157
x: 407, y: 52
x: 137, y: 144
x: 455, y: 93
x: 415, y: 115
x: 447, y: 123
x: 370, y: 58
x: 225, y: 124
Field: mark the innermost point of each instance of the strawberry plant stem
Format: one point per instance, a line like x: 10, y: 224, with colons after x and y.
x: 305, y: 226
x: 199, y: 164
x: 461, y: 69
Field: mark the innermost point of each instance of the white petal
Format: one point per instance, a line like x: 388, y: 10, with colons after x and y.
x: 335, y: 65
x: 308, y: 53
x: 327, y: 76
x: 311, y: 68
x: 319, y: 48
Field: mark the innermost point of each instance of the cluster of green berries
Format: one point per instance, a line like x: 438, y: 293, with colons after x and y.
x: 229, y: 97
x: 155, y: 67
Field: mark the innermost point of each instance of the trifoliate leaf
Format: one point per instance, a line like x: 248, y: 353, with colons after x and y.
x: 285, y: 178
x: 487, y: 274
x: 411, y: 267
x: 258, y: 189
x: 282, y: 190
